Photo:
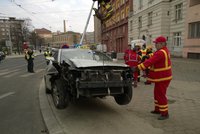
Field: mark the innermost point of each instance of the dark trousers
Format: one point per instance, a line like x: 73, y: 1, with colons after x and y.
x: 30, y: 66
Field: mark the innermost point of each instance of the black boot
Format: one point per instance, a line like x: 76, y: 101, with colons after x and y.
x: 163, y: 117
x: 155, y: 112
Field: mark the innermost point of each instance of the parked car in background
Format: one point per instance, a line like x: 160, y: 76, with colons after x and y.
x: 72, y: 73
x: 2, y: 55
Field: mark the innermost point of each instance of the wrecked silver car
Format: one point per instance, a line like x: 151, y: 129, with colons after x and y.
x: 72, y: 73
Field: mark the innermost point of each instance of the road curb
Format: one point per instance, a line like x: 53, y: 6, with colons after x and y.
x: 49, y: 118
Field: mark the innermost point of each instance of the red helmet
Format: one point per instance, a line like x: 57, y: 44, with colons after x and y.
x: 160, y: 39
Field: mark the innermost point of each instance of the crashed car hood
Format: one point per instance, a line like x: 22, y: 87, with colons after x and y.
x: 93, y: 63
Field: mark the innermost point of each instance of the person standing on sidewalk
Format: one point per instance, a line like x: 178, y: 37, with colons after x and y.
x: 29, y: 56
x: 160, y: 74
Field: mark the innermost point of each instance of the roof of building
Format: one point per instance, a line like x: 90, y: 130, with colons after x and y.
x: 42, y: 31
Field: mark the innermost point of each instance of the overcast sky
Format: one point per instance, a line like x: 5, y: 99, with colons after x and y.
x: 50, y: 13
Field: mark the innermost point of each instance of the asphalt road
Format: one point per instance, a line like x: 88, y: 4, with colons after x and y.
x: 19, y: 101
x: 20, y: 105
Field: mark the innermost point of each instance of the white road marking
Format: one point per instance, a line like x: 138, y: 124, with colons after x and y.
x: 7, y: 72
x: 10, y: 75
x: 26, y: 75
x: 3, y: 70
x: 30, y: 74
x: 6, y: 95
x: 39, y: 70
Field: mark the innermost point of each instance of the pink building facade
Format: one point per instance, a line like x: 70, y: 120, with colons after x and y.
x: 191, y: 48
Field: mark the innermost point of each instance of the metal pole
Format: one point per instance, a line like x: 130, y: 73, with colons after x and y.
x: 10, y: 42
x: 87, y: 24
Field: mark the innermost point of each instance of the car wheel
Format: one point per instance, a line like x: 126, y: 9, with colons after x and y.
x: 125, y: 98
x: 47, y: 90
x: 60, y: 95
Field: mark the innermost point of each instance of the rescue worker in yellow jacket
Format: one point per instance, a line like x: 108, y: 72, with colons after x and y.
x: 47, y: 53
x: 29, y: 56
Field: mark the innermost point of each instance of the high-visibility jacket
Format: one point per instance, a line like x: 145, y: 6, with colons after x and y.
x: 131, y: 58
x: 143, y: 52
x: 47, y: 54
x: 29, y: 56
x: 160, y: 66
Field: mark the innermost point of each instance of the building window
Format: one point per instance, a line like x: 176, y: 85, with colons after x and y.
x: 124, y: 29
x: 140, y: 4
x: 194, y: 30
x: 122, y: 14
x: 118, y: 17
x: 122, y: 2
x: 150, y: 17
x: 117, y: 4
x: 127, y: 11
x: 177, y: 39
x: 194, y: 2
x: 178, y: 11
x: 140, y: 22
x: 150, y: 39
x: 131, y: 25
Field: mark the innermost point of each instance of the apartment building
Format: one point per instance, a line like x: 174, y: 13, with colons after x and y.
x: 115, y: 30
x: 45, y: 36
x: 151, y: 18
x: 70, y: 38
x: 191, y: 48
x: 12, y: 29
x: 89, y: 38
x: 177, y: 27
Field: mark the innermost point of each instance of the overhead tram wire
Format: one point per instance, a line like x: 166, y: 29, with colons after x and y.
x: 78, y: 11
x: 31, y: 13
x: 35, y: 2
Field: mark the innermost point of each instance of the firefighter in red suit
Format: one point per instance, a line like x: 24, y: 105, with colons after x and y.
x: 160, y: 74
x: 132, y: 59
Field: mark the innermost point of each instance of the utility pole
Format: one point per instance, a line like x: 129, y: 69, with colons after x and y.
x: 10, y: 42
x: 81, y: 42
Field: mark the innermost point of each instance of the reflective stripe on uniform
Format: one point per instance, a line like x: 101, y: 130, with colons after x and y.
x: 167, y: 67
x: 141, y: 66
x: 163, y: 108
x: 161, y: 79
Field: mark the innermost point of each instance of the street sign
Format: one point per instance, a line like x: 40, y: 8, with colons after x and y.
x: 8, y: 43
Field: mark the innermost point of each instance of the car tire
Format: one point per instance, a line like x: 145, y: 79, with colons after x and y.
x: 47, y: 90
x: 60, y: 95
x: 125, y: 98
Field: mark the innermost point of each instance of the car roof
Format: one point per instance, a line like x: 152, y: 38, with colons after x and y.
x: 74, y: 49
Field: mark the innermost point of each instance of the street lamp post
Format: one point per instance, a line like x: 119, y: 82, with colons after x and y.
x: 10, y: 42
